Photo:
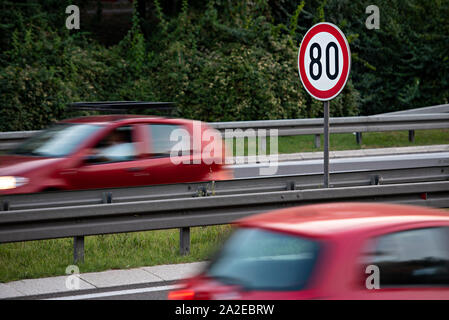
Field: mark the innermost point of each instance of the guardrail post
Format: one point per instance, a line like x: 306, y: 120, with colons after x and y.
x: 317, y: 141
x: 375, y: 180
x: 291, y: 185
x: 106, y: 197
x: 184, y: 241
x: 411, y: 135
x: 78, y: 241
x: 4, y: 206
x: 358, y: 137
x: 78, y: 249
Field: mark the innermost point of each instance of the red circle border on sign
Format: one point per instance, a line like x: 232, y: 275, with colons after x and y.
x: 335, y: 90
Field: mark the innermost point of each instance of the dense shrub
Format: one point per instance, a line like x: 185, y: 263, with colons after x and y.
x: 219, y: 60
x: 46, y: 72
x: 405, y: 63
x: 222, y: 69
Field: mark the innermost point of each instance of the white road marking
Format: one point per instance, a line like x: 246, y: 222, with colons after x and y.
x: 115, y: 293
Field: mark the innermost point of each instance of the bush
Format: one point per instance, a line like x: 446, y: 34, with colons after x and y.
x: 242, y: 69
x: 46, y: 73
x: 236, y: 66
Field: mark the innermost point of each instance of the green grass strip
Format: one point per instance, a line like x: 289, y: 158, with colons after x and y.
x: 46, y: 258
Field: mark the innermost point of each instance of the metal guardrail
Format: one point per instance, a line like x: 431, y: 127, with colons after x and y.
x: 81, y: 213
x: 216, y: 188
x: 442, y: 108
x: 92, y: 212
x: 80, y: 221
x: 49, y: 223
x: 290, y: 127
x: 342, y: 125
x: 9, y: 139
x: 358, y: 125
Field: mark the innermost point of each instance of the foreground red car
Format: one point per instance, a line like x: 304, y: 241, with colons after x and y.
x: 112, y: 151
x: 331, y: 251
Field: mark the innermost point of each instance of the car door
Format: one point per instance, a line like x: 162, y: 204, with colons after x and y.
x: 159, y: 165
x: 409, y: 264
x: 113, y: 162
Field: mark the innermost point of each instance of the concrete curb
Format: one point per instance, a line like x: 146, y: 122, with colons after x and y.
x: 97, y: 280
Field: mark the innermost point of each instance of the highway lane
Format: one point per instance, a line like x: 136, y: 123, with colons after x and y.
x: 384, y: 162
x: 150, y: 291
x: 157, y: 295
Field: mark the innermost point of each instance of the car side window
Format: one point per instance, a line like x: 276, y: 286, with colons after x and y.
x: 161, y: 142
x: 117, y: 146
x: 412, y: 257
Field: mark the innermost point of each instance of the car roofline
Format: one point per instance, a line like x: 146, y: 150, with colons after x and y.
x: 107, y: 118
x: 328, y: 227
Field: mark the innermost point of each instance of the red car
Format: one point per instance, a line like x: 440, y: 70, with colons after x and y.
x: 331, y: 251
x: 113, y: 151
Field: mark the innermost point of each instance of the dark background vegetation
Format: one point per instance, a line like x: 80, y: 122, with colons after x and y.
x: 219, y: 60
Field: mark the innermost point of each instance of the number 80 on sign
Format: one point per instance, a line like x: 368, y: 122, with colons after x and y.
x: 324, y: 61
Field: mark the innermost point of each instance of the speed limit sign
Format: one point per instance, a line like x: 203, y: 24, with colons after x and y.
x: 324, y: 61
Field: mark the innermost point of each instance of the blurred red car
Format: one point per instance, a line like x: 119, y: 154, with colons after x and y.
x: 112, y: 151
x: 331, y: 251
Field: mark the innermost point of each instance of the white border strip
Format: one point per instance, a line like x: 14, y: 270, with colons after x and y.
x: 116, y: 293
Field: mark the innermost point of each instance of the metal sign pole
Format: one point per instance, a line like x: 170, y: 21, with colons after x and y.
x: 324, y: 86
x: 326, y: 144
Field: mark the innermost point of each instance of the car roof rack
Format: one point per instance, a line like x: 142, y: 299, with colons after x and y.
x: 122, y: 106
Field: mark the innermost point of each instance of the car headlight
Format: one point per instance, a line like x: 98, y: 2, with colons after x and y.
x: 7, y: 183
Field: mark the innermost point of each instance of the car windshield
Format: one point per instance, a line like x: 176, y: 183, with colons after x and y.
x: 257, y: 259
x: 57, y: 141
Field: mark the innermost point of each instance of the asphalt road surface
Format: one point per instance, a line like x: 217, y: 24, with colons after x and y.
x: 153, y: 291
x: 384, y: 162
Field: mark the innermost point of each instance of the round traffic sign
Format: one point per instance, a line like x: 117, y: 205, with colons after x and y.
x: 324, y: 61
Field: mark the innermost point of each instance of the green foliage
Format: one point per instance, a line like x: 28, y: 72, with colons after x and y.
x: 216, y: 67
x: 45, y: 258
x: 235, y: 67
x: 46, y: 72
x: 133, y: 45
x: 294, y: 19
x: 404, y: 64
x: 219, y: 61
x: 30, y: 86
